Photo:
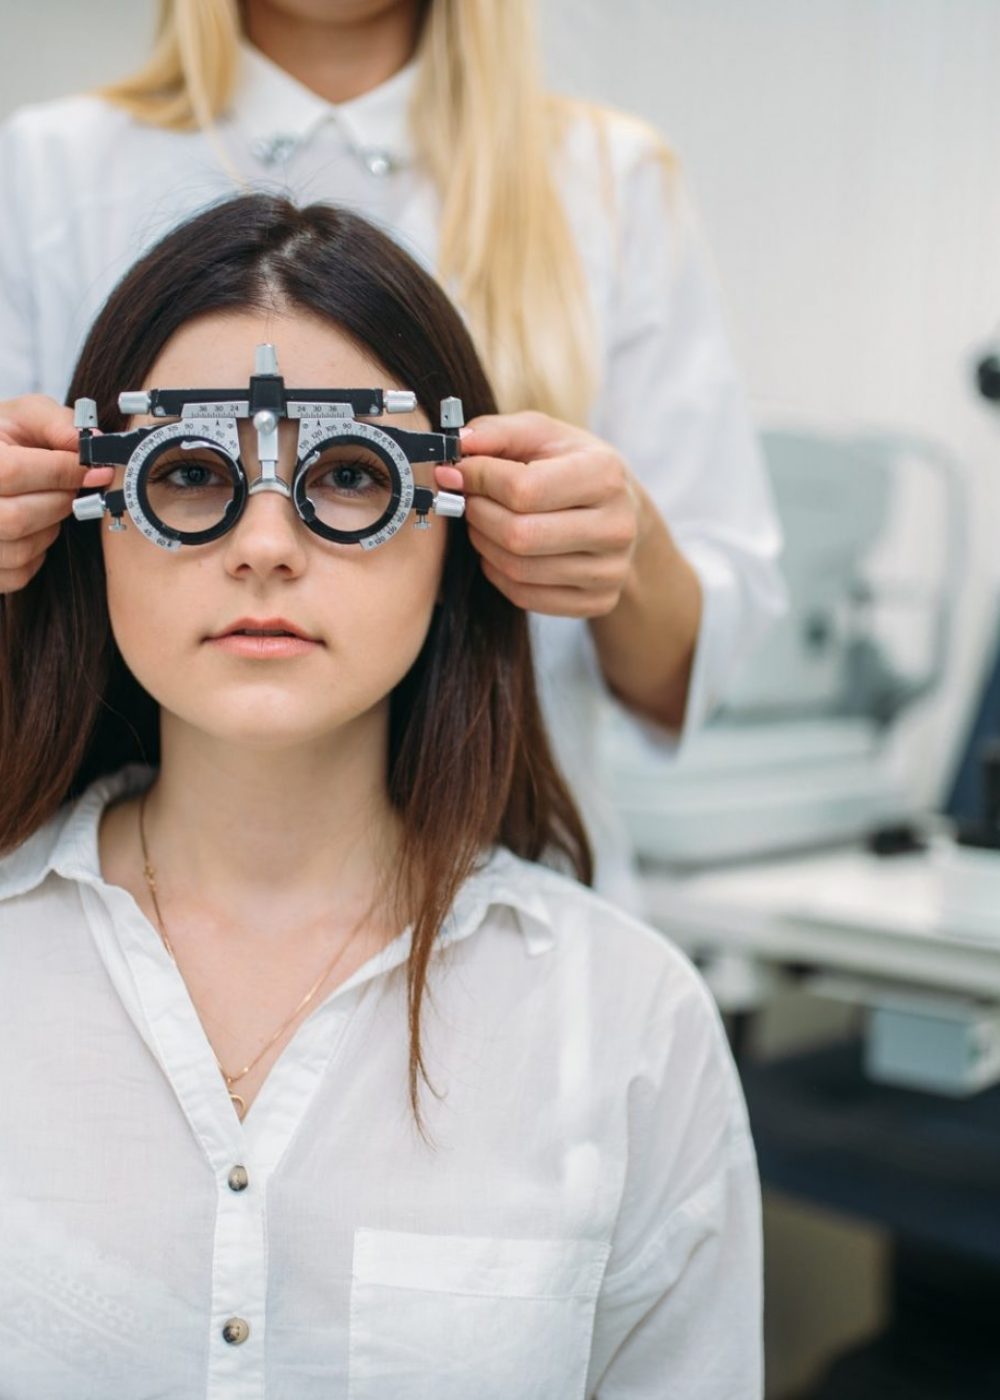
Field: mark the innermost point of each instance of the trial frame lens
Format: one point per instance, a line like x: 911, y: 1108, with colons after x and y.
x: 353, y: 483
x: 191, y: 488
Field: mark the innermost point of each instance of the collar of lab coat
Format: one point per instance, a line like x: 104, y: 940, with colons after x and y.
x: 270, y: 106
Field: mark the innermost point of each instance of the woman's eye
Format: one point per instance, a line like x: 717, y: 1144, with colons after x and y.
x: 189, y: 476
x: 353, y: 477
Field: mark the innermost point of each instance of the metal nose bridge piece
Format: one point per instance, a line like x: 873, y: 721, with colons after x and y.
x: 265, y: 422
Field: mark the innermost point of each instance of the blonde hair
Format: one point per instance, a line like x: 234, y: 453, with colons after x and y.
x: 488, y: 135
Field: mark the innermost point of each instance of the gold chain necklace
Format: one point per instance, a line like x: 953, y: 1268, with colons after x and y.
x: 238, y: 1102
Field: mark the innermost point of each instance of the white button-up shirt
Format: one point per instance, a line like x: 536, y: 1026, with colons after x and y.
x: 86, y: 190
x: 586, y: 1223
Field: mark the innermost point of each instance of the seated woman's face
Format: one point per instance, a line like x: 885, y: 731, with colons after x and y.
x: 366, y: 611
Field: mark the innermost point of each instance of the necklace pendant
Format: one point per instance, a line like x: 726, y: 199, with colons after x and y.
x: 239, y: 1104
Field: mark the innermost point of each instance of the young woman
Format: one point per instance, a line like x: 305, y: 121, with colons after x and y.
x: 314, y: 1082
x: 645, y: 547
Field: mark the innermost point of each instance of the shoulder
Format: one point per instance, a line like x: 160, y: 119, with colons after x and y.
x: 582, y: 987
x: 71, y: 123
x: 83, y: 151
x: 26, y: 866
x: 58, y: 157
x: 623, y: 190
x: 627, y: 969
x: 67, y: 842
x: 596, y: 140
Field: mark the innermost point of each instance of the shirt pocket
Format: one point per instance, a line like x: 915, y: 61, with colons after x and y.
x: 466, y: 1318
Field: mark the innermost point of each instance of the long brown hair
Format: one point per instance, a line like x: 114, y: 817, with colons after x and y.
x: 469, y: 763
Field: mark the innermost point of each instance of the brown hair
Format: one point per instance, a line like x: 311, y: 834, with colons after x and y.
x: 469, y: 760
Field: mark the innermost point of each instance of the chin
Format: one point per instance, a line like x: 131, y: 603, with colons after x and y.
x: 270, y: 736
x: 276, y: 725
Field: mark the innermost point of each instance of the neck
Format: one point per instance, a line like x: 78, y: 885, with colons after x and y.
x: 337, y: 58
x: 273, y: 841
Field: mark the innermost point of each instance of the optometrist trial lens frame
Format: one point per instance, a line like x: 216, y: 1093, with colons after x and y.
x: 206, y: 422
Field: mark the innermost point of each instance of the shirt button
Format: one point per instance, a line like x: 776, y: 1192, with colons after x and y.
x: 378, y: 162
x: 236, y: 1331
x: 238, y: 1179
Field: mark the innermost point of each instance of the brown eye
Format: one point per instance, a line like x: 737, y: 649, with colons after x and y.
x: 348, y: 487
x: 186, y: 473
x: 348, y: 471
x: 190, y: 489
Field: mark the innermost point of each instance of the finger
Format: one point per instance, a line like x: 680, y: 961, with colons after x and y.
x: 40, y: 421
x: 555, y: 483
x: 588, y: 530
x: 449, y: 478
x: 520, y: 436
x: 25, y: 469
x: 595, y: 572
x: 555, y: 602
x: 98, y: 476
x: 21, y: 516
x: 20, y: 554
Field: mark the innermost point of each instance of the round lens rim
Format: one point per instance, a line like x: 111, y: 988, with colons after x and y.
x: 333, y: 434
x: 153, y: 450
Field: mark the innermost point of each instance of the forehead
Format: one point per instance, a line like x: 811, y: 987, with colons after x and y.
x: 218, y: 350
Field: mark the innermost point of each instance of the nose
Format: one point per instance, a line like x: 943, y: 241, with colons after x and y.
x: 268, y: 538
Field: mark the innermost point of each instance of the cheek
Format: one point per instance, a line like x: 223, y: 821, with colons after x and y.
x: 144, y: 604
x: 125, y: 592
x: 385, y: 613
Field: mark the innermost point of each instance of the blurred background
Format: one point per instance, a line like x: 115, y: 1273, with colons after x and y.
x: 804, y: 850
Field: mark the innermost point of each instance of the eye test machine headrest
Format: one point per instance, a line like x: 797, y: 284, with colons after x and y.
x: 186, y: 482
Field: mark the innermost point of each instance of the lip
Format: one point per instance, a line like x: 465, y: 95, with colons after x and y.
x: 263, y: 624
x: 264, y: 648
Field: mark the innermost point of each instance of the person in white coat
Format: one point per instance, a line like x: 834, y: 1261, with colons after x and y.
x: 628, y: 511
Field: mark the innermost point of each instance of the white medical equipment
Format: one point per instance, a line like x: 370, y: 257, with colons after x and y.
x: 795, y: 758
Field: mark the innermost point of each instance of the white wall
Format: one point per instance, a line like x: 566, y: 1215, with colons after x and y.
x: 842, y: 152
x: 52, y: 47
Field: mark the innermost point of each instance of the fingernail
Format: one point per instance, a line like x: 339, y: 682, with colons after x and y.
x: 463, y: 433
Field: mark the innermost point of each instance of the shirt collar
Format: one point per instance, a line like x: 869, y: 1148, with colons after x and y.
x: 67, y: 843
x: 67, y: 846
x: 277, y: 113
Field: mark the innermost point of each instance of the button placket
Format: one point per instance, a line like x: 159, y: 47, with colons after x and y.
x: 239, y: 1287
